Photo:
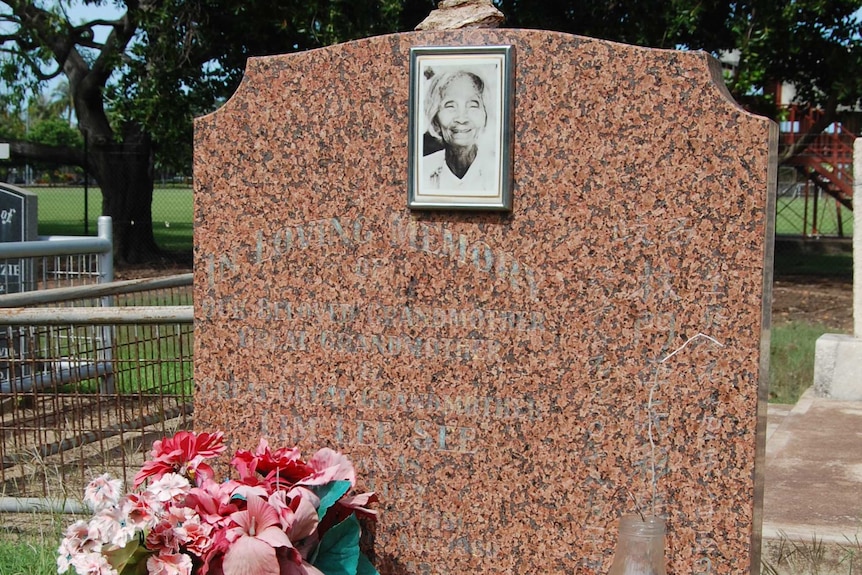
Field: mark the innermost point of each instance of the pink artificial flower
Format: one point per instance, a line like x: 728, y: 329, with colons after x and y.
x: 212, y: 560
x: 254, y: 539
x: 212, y: 502
x: 77, y: 533
x: 183, y: 453
x: 197, y: 535
x: 65, y: 552
x: 328, y: 465
x: 296, y: 512
x: 169, y: 564
x: 111, y: 526
x: 169, y: 487
x: 290, y: 566
x: 359, y: 504
x: 103, y: 492
x: 265, y: 523
x: 246, y: 492
x: 76, y: 541
x: 164, y: 538
x: 138, y: 511
x: 92, y: 564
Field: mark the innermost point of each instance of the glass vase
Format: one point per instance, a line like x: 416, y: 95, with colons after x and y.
x: 640, y: 549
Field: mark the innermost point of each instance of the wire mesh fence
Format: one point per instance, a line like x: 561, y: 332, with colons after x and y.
x: 84, y: 388
x: 28, y: 274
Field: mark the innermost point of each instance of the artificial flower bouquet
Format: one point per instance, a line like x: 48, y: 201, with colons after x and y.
x: 282, y: 516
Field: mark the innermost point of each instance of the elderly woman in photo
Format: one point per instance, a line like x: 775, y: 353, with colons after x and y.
x: 456, y: 113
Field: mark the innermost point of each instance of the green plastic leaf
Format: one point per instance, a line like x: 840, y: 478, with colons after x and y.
x: 338, y: 552
x: 329, y: 494
x: 119, y: 558
x: 129, y: 560
x: 365, y: 567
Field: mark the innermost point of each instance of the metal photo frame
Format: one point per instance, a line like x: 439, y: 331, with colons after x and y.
x: 460, y: 147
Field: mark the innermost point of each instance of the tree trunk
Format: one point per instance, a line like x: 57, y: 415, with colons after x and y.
x: 125, y: 173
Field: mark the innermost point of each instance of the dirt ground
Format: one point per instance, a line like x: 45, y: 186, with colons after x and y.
x: 827, y: 301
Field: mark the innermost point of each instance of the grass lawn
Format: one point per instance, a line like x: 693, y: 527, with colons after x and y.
x: 793, y: 217
x: 61, y: 212
x: 32, y: 551
x: 791, y: 360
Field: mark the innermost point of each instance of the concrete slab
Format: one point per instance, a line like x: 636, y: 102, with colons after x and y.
x: 814, y: 472
x: 837, y: 364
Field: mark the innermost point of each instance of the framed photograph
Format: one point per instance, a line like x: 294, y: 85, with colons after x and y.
x: 460, y: 149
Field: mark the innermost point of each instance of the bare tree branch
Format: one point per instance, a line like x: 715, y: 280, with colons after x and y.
x: 30, y: 151
x: 122, y: 32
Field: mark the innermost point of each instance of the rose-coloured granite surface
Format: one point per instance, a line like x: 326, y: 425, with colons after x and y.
x: 497, y: 378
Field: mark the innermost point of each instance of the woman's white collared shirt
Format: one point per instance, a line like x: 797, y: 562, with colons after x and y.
x: 479, y: 176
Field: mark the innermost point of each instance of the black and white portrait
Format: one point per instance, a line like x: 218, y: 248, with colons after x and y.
x: 460, y: 122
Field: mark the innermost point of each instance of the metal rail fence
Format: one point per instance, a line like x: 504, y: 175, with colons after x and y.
x: 56, y: 261
x: 90, y: 375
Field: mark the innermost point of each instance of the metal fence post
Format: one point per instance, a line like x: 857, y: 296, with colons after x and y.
x: 106, y: 274
x: 106, y: 259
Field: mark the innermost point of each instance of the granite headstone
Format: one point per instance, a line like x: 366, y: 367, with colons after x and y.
x: 509, y: 383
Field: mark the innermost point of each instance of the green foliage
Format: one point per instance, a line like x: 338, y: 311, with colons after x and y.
x: 27, y: 552
x: 814, y: 44
x: 188, y: 57
x: 12, y: 125
x: 329, y: 494
x: 193, y: 56
x: 55, y: 132
x: 365, y: 567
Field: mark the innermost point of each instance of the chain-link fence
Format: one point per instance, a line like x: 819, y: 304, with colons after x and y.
x: 804, y: 210
x: 72, y: 210
x: 70, y: 201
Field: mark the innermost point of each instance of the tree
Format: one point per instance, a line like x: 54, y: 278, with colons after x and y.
x: 42, y: 44
x: 814, y: 44
x: 163, y: 62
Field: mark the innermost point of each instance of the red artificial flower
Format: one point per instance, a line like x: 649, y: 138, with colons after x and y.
x: 282, y: 466
x: 212, y: 502
x: 183, y: 453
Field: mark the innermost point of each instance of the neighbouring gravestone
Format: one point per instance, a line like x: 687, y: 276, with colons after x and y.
x: 18, y: 223
x: 509, y: 383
